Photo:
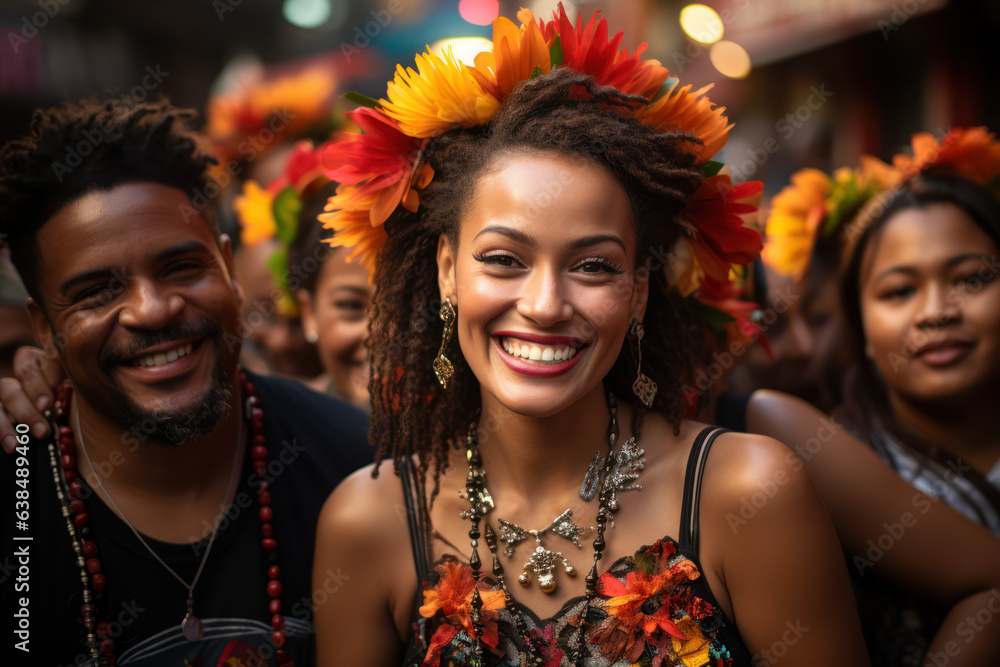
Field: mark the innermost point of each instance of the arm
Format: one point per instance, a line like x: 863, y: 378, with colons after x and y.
x: 868, y: 501
x: 361, y: 539
x: 780, y: 559
x: 24, y: 398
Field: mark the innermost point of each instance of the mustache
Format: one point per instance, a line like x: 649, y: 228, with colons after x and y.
x: 128, y: 349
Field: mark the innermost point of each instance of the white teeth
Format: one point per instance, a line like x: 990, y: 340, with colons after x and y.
x: 554, y: 353
x: 163, y: 357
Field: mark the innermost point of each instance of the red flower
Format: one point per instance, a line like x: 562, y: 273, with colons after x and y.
x: 380, y: 160
x: 721, y: 237
x: 587, y: 49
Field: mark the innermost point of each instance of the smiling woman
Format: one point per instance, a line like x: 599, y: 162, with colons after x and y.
x: 527, y: 209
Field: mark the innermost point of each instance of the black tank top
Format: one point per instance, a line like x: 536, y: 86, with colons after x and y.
x: 653, y: 602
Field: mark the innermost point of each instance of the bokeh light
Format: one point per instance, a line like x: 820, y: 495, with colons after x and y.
x: 306, y: 13
x: 730, y: 59
x: 479, y: 12
x: 702, y: 24
x: 465, y: 49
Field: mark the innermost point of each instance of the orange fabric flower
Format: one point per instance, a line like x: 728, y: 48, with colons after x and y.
x: 452, y: 596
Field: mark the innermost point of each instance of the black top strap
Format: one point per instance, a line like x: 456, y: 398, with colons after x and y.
x: 692, y: 488
x: 415, y: 513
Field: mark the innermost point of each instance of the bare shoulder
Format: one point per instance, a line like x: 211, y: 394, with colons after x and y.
x: 362, y: 504
x: 749, y: 468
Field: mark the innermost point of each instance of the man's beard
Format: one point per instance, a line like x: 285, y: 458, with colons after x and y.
x: 173, y: 428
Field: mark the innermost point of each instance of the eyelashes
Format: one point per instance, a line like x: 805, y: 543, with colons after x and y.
x: 596, y: 264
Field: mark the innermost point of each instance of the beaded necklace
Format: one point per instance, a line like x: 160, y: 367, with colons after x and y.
x: 97, y: 637
x: 614, y: 477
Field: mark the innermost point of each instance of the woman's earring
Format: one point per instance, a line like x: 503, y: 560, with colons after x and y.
x: 443, y: 367
x: 644, y: 387
x: 312, y: 336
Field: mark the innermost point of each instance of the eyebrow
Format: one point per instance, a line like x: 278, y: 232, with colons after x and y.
x: 951, y: 263
x: 360, y: 291
x: 521, y: 237
x: 104, y: 272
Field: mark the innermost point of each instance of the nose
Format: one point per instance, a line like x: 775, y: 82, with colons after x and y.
x: 543, y: 298
x: 938, y: 308
x: 149, y: 305
x: 800, y: 339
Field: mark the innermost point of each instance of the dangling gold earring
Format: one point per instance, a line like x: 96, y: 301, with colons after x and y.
x: 443, y: 367
x: 644, y: 387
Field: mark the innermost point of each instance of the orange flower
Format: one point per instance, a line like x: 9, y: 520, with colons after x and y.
x: 441, y: 95
x: 517, y: 53
x: 973, y: 154
x: 681, y: 109
x: 348, y: 215
x: 452, y: 596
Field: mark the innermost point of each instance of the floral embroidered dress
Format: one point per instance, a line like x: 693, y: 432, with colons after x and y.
x: 652, y: 609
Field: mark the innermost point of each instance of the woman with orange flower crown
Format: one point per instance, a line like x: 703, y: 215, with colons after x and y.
x: 905, y: 587
x: 922, y: 305
x: 550, y: 504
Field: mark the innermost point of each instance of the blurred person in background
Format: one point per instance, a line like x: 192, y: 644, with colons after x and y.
x: 922, y: 305
x: 330, y: 293
x: 803, y: 245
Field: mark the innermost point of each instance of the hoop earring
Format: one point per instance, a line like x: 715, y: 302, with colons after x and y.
x: 644, y: 387
x: 443, y: 367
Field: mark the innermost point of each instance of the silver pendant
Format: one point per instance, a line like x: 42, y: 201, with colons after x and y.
x: 592, y: 479
x: 192, y: 627
x: 629, y: 458
x: 542, y: 562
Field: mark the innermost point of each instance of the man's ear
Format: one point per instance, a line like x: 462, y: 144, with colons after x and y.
x: 43, y: 329
x: 446, y: 268
x: 226, y: 247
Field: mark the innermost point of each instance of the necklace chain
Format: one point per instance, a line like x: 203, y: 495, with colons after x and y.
x: 215, y: 530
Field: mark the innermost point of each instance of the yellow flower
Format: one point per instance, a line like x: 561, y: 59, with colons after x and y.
x: 255, y: 211
x: 692, y: 652
x: 441, y: 95
x: 793, y: 226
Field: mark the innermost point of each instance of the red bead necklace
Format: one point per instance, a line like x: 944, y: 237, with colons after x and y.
x: 98, y: 636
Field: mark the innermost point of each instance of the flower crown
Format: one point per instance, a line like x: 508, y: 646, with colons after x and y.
x: 381, y: 169
x: 816, y: 205
x: 259, y: 116
x: 272, y: 212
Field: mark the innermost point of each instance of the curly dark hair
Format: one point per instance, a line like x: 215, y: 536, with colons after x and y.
x: 565, y: 112
x: 94, y: 145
